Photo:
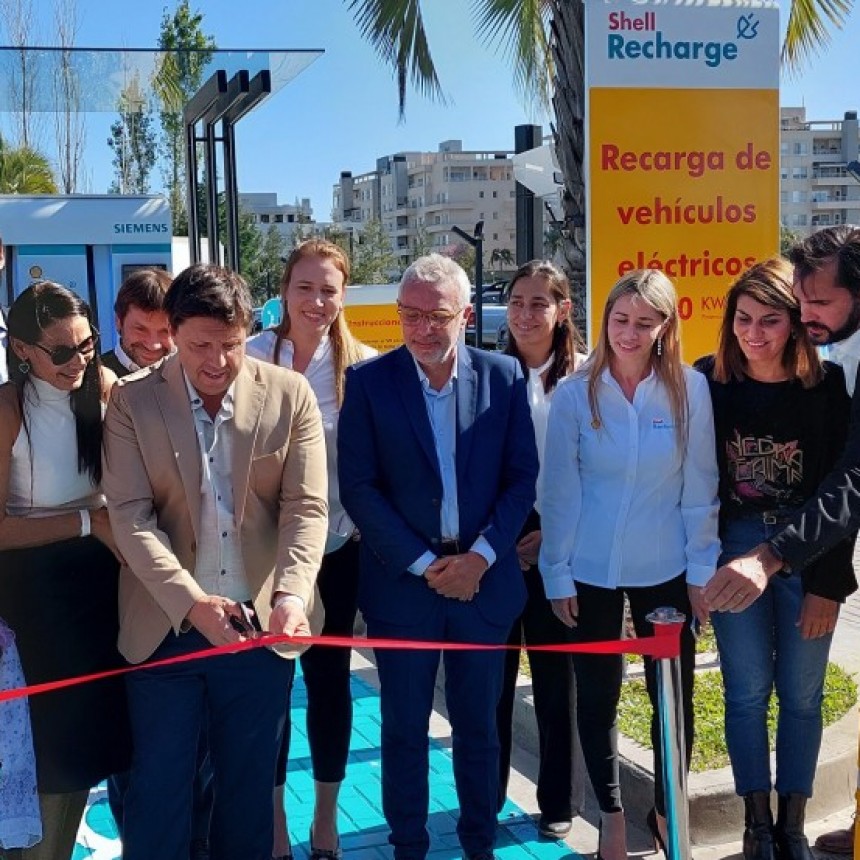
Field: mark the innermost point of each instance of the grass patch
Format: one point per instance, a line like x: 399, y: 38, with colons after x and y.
x: 709, y: 750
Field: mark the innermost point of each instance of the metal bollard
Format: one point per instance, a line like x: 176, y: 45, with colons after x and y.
x: 668, y: 621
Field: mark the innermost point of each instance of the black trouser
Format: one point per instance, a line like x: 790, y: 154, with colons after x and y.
x: 598, y: 677
x: 560, y: 783
x: 326, y: 672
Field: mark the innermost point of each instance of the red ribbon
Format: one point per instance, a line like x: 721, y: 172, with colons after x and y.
x: 665, y: 644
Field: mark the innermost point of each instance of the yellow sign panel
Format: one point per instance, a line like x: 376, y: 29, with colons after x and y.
x: 685, y: 181
x: 376, y: 325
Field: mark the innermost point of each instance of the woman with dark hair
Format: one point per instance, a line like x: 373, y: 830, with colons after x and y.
x: 631, y: 511
x: 314, y: 339
x: 548, y: 346
x: 781, y: 418
x: 58, y: 560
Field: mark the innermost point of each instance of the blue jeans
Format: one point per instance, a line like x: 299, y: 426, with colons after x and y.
x: 761, y: 650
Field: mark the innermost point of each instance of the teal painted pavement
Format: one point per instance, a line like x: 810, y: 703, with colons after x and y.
x: 363, y: 830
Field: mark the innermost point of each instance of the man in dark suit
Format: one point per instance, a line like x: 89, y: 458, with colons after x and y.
x: 437, y: 467
x: 141, y: 323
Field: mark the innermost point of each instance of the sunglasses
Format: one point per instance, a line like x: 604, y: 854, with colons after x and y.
x: 61, y: 355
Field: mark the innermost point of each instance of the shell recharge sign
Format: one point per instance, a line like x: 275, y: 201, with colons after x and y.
x: 683, y: 150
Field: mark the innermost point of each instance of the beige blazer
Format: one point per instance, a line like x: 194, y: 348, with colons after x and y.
x: 152, y: 475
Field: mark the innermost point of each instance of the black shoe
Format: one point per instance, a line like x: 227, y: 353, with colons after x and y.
x: 554, y: 828
x: 758, y: 838
x: 323, y: 853
x: 790, y: 841
x: 480, y: 855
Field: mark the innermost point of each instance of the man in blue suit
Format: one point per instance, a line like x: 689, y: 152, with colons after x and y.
x: 437, y: 468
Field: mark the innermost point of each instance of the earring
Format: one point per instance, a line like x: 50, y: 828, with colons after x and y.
x: 24, y: 366
x: 659, y: 346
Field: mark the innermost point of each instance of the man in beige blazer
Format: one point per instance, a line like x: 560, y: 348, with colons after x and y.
x: 215, y: 477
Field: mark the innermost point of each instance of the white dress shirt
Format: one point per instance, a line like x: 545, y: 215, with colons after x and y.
x: 320, y: 377
x: 846, y: 354
x: 624, y: 506
x: 442, y: 414
x: 539, y: 402
x: 124, y: 358
x: 219, y: 568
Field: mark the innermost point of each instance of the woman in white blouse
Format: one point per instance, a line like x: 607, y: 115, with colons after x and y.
x: 313, y: 338
x: 58, y: 560
x: 548, y: 346
x: 631, y: 510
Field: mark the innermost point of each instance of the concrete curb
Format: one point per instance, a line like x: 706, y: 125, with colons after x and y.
x: 716, y: 812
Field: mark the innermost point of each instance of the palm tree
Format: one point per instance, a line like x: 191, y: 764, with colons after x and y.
x: 546, y: 38
x: 23, y: 170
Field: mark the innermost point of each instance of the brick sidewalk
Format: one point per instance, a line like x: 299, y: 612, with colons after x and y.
x: 363, y: 830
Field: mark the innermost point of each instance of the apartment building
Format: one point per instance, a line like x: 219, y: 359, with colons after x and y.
x: 266, y: 211
x: 422, y: 195
x: 816, y: 189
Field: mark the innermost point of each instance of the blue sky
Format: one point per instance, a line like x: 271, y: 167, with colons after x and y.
x: 341, y: 112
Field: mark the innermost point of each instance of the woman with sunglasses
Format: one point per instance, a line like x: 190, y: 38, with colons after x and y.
x: 314, y: 339
x: 549, y: 348
x: 781, y: 418
x: 58, y: 560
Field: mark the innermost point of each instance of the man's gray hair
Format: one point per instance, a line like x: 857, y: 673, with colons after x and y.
x: 437, y: 269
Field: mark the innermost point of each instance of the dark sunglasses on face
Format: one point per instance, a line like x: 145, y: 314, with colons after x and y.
x: 61, y: 355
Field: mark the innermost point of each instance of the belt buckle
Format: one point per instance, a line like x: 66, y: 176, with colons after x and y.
x: 768, y: 518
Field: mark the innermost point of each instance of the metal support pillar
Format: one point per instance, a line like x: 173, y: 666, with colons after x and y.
x: 668, y: 621
x: 529, y: 215
x: 226, y: 102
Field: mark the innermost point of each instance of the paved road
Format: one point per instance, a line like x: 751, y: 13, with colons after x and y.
x: 364, y: 832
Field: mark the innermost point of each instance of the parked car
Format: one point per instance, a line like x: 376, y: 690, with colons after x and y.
x: 503, y: 336
x: 493, y: 317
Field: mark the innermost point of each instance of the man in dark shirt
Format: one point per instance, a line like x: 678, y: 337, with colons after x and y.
x: 827, y: 285
x: 144, y: 335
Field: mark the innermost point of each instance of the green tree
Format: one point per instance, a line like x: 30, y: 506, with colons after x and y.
x: 373, y: 261
x: 464, y: 255
x: 501, y: 259
x: 787, y: 238
x: 132, y: 139
x: 546, y: 39
x: 422, y: 243
x: 25, y: 171
x: 264, y: 272
x: 187, y: 52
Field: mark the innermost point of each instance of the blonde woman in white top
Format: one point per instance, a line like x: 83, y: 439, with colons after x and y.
x: 631, y: 511
x: 549, y: 347
x: 313, y: 339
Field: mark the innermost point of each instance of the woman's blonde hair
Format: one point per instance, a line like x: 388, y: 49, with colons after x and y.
x: 768, y: 283
x: 346, y: 348
x: 656, y: 290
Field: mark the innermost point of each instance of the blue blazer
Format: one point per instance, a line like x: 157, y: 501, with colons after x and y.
x: 391, y: 486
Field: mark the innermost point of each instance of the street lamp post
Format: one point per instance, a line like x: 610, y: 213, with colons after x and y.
x: 477, y: 242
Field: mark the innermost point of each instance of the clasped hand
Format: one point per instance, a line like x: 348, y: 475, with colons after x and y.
x: 457, y: 576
